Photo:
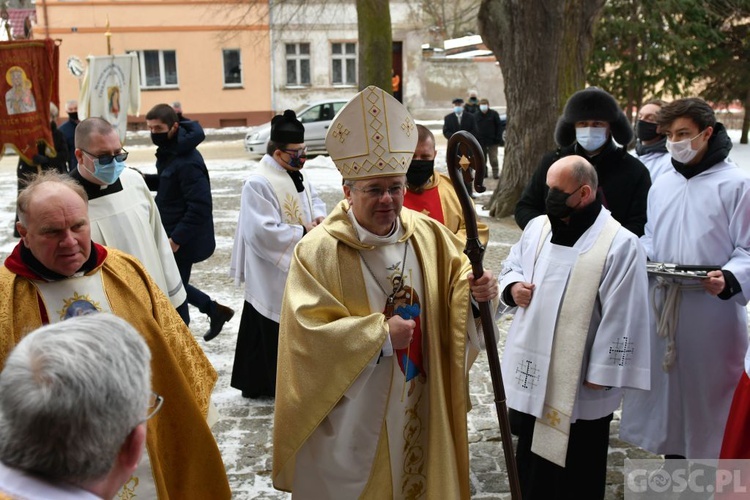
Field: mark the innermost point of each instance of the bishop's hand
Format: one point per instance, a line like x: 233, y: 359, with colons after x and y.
x: 401, y: 331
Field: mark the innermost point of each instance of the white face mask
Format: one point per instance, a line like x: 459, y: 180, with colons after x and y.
x: 591, y: 138
x: 682, y: 151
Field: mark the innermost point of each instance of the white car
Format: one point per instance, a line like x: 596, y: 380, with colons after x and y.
x: 315, y: 117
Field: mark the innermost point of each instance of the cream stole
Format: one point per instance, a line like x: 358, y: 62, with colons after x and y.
x: 552, y: 431
x: 287, y: 195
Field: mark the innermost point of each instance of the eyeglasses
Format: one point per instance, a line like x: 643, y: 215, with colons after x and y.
x: 377, y: 193
x: 296, y: 152
x: 107, y: 159
x: 154, y: 405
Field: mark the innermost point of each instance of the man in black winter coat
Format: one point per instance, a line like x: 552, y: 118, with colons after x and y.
x: 489, y: 134
x: 183, y: 196
x: 589, y: 126
x: 460, y: 119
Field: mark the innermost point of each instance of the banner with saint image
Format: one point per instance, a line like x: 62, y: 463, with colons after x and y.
x: 111, y: 90
x: 29, y: 82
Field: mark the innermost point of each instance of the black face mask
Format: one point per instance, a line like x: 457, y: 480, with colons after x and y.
x: 473, y: 100
x: 73, y: 115
x: 645, y: 131
x: 420, y: 172
x: 556, y: 206
x: 160, y: 138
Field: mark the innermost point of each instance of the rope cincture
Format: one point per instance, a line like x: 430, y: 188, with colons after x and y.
x: 667, y: 318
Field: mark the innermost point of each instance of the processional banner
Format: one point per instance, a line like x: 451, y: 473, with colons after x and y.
x: 111, y: 90
x: 29, y: 70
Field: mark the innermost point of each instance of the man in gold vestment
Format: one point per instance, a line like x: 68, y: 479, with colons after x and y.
x: 56, y: 272
x: 376, y: 332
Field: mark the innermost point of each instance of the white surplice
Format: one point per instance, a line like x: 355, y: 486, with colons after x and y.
x: 264, y: 239
x: 704, y: 220
x: 617, y: 349
x: 657, y: 163
x: 129, y: 221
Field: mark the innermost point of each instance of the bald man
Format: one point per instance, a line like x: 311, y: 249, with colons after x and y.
x: 578, y: 282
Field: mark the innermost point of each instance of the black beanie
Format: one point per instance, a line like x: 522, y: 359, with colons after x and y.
x: 592, y: 103
x: 287, y: 129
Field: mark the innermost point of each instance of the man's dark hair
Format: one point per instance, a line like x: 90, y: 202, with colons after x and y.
x: 273, y: 146
x: 164, y: 113
x: 694, y: 108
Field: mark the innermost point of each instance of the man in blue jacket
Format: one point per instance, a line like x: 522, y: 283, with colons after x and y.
x: 183, y: 196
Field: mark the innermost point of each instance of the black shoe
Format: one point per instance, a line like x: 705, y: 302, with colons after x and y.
x: 219, y: 315
x: 495, y: 176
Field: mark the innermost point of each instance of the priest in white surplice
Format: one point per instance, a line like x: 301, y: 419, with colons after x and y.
x: 277, y: 209
x: 698, y: 214
x: 372, y: 393
x: 579, y: 335
x: 122, y: 211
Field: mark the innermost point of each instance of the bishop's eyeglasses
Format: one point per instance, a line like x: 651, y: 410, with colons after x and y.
x: 377, y: 192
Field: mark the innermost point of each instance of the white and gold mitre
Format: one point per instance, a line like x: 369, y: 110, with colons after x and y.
x: 372, y: 136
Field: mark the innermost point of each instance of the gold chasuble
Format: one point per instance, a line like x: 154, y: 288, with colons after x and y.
x: 329, y: 334
x: 185, y: 460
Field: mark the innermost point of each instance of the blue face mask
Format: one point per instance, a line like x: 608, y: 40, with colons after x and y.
x: 458, y: 109
x: 108, y: 173
x: 591, y: 138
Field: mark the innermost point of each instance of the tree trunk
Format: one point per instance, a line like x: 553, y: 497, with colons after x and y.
x: 375, y: 58
x: 543, y: 47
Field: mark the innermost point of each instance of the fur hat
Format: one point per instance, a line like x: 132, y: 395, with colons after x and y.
x: 592, y: 103
x: 372, y: 136
x: 287, y: 129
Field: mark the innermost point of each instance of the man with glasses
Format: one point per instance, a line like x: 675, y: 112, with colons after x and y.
x: 183, y: 195
x: 377, y: 333
x: 122, y: 212
x: 74, y: 400
x: 56, y: 272
x: 278, y: 208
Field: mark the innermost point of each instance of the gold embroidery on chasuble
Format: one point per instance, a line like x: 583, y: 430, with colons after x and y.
x: 128, y: 492
x: 413, y: 481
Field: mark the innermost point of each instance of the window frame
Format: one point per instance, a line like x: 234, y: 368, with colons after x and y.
x: 346, y: 59
x: 231, y: 85
x: 298, y: 57
x: 162, y: 72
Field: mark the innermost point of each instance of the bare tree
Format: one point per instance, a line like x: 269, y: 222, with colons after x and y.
x: 447, y: 18
x: 543, y: 48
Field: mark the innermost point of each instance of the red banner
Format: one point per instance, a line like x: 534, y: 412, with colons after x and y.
x: 29, y: 82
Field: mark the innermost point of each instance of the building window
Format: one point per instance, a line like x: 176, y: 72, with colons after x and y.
x: 344, y: 63
x: 297, y: 64
x: 158, y: 68
x: 232, y: 68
